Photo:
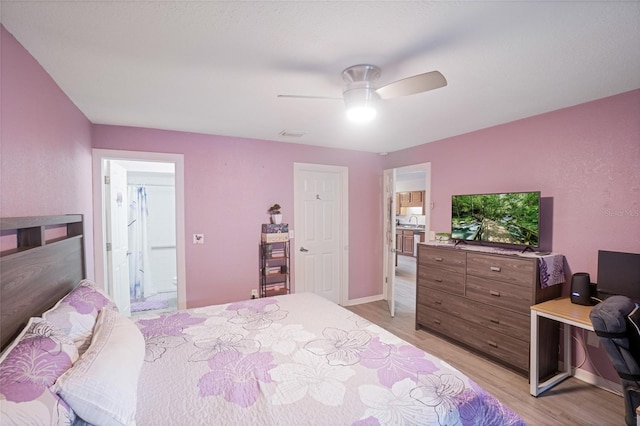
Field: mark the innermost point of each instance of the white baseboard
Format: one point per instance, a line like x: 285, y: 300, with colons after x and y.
x: 598, y: 381
x: 595, y: 380
x: 361, y: 300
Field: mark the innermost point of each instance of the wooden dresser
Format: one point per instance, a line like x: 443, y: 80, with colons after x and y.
x: 482, y: 300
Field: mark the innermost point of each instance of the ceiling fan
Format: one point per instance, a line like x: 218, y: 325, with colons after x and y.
x: 360, y: 93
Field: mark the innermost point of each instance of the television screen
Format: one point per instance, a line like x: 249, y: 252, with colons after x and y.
x: 511, y: 218
x: 619, y: 274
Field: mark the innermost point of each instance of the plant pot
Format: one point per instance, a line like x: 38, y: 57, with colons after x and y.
x: 276, y: 218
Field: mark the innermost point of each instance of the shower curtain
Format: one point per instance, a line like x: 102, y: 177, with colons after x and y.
x: 140, y: 278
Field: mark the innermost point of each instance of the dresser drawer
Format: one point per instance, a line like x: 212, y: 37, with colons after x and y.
x: 447, y: 260
x: 438, y: 300
x: 512, y: 351
x: 439, y: 279
x: 501, y: 321
x: 507, y: 269
x: 500, y: 294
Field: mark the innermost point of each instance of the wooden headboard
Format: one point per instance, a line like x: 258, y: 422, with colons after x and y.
x: 36, y: 272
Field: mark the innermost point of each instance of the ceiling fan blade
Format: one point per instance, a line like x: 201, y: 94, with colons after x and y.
x: 309, y: 97
x: 412, y: 85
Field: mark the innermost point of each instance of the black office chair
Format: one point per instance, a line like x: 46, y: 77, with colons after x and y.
x: 621, y: 339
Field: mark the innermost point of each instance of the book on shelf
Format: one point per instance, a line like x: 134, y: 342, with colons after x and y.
x: 272, y: 270
x: 276, y: 288
x: 275, y: 237
x: 277, y: 253
x: 274, y: 228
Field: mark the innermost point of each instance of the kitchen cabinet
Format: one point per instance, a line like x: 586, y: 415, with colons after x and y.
x: 407, y: 242
x: 399, y: 241
x: 410, y: 199
x: 416, y: 198
x: 404, y: 241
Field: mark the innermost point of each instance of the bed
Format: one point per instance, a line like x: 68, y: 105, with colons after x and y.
x: 286, y: 360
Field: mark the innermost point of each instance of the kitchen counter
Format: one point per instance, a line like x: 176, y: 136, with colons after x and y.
x: 410, y: 228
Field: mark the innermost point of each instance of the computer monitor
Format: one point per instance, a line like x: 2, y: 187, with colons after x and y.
x: 619, y: 274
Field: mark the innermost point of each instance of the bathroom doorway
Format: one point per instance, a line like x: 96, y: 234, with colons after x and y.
x: 140, y: 229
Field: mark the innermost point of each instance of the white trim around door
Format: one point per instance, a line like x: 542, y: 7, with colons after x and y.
x: 99, y: 230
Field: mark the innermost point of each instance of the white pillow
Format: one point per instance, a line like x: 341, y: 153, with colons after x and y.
x: 101, y: 387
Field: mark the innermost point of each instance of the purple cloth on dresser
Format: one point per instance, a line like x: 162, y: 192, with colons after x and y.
x: 551, y: 270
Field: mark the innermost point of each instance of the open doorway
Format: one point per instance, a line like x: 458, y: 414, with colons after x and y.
x: 139, y: 233
x: 410, y: 211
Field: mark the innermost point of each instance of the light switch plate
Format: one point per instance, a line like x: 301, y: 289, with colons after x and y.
x: 198, y: 238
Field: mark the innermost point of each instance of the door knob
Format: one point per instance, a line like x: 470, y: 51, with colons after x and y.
x: 304, y: 250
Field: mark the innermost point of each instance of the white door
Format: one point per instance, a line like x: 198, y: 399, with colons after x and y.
x: 117, y: 209
x: 389, y: 243
x: 320, y: 230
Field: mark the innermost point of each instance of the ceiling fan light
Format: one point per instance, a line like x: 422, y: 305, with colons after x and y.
x: 360, y: 104
x: 361, y: 114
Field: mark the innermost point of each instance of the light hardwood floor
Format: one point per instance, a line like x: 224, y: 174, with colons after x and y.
x: 572, y: 402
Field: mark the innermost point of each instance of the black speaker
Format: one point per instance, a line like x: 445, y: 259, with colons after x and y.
x: 581, y: 289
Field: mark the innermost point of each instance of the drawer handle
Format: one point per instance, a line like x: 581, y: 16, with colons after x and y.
x: 492, y: 344
x: 438, y: 302
x: 437, y: 322
x: 495, y: 321
x: 494, y: 293
x: 438, y: 280
x: 439, y: 259
x: 495, y: 268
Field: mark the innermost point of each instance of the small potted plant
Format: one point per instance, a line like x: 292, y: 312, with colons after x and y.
x: 276, y: 214
x: 443, y: 236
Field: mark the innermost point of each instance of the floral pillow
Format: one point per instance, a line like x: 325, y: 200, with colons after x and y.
x: 38, y: 357
x: 76, y: 313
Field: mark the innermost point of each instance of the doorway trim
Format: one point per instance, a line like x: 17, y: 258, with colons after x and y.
x: 388, y: 281
x: 298, y: 220
x: 99, y: 227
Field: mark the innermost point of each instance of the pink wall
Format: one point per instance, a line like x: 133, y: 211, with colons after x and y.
x: 230, y: 183
x: 584, y: 159
x: 45, y: 144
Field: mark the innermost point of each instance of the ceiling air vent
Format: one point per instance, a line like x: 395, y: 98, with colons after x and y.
x: 292, y: 134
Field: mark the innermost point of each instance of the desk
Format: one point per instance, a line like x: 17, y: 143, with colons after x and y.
x: 567, y: 313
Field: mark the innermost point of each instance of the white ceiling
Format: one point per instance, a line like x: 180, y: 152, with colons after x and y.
x: 217, y: 67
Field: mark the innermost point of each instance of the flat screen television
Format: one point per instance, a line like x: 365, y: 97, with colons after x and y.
x: 618, y: 274
x: 508, y: 218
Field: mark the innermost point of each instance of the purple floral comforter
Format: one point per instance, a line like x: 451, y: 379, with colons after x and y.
x: 297, y: 360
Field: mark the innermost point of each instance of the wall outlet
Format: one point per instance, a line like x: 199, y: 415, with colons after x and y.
x: 254, y: 293
x: 198, y: 238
